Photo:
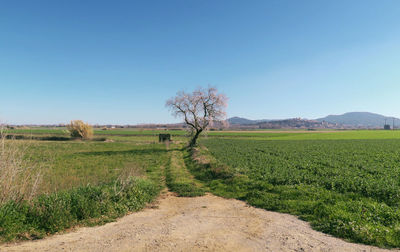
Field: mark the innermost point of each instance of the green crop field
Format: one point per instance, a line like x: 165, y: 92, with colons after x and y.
x: 308, y: 135
x: 345, y: 183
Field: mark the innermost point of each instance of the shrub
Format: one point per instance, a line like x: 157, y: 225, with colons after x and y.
x: 79, y: 129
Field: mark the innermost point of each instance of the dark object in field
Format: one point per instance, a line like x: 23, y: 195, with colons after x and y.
x: 386, y: 127
x: 16, y: 137
x: 44, y: 138
x: 164, y: 137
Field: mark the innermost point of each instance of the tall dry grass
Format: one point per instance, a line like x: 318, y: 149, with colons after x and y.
x: 19, y: 178
x: 79, y: 129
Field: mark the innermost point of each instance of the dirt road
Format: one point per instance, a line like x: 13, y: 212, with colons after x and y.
x: 207, y: 223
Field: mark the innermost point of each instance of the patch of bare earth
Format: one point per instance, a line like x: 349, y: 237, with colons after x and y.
x: 207, y: 223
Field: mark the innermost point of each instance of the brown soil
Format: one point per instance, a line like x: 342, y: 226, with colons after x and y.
x: 207, y: 223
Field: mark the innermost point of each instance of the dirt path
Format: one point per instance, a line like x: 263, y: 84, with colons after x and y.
x: 207, y: 223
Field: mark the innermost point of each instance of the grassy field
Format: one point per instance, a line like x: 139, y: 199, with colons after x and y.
x: 121, y: 132
x: 254, y: 134
x: 345, y: 183
x: 85, y: 183
x: 76, y: 163
x: 92, y: 182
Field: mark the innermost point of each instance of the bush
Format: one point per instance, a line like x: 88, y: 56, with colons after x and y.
x: 79, y: 129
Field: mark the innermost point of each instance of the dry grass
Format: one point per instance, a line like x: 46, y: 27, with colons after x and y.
x: 79, y: 129
x: 19, y: 179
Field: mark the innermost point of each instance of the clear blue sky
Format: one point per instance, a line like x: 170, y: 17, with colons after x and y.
x: 119, y: 61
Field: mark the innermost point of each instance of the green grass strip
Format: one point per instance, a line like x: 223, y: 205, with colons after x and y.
x: 179, y: 179
x: 88, y: 205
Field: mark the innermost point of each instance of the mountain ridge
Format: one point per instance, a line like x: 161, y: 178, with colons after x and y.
x: 365, y: 119
x: 349, y: 119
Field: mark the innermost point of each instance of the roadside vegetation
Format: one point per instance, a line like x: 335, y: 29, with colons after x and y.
x: 19, y: 178
x: 85, y: 205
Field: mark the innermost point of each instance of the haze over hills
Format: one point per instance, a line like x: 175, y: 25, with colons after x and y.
x: 351, y: 119
x: 241, y: 121
x: 364, y: 119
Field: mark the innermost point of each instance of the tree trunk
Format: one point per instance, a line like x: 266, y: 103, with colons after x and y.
x: 194, y: 139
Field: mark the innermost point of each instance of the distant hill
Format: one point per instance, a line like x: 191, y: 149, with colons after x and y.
x: 243, y: 121
x: 360, y: 119
x: 292, y: 123
x: 347, y: 120
x: 295, y: 123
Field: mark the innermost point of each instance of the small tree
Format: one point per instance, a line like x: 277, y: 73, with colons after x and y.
x: 199, y: 109
x: 79, y: 129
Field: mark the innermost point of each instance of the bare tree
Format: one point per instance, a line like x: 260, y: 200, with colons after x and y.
x: 199, y: 109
